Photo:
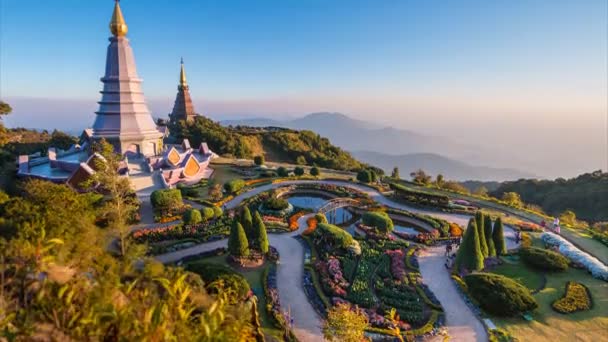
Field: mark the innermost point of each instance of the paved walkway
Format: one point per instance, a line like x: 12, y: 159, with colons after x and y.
x: 461, y: 322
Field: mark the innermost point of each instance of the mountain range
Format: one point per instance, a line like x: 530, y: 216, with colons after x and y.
x: 387, y: 147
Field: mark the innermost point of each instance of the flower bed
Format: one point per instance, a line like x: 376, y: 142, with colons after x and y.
x: 293, y: 220
x: 576, y: 298
x: 332, y: 280
x: 397, y: 263
x: 273, y: 305
x: 202, y: 232
x: 411, y: 259
x: 593, y: 265
x: 312, y: 225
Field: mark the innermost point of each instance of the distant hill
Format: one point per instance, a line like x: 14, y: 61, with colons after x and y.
x: 586, y: 195
x: 434, y: 164
x: 387, y: 147
x: 279, y: 145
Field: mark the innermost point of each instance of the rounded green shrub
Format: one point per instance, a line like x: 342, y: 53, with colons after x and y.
x: 333, y: 235
x: 543, y: 259
x: 234, y: 185
x: 274, y: 203
x: 378, y: 219
x: 217, y: 211
x: 219, y: 278
x: 321, y: 218
x: 499, y: 295
x: 282, y: 172
x: 192, y: 216
x: 166, y: 198
x: 314, y: 171
x: 207, y: 213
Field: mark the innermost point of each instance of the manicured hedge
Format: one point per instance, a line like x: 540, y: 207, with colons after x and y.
x: 275, y: 204
x: 543, y: 259
x: 166, y: 198
x: 379, y: 220
x: 333, y: 235
x: 500, y: 295
x: 234, y: 185
x: 576, y: 298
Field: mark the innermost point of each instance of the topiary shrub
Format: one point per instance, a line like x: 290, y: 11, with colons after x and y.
x: 217, y: 211
x: 282, y: 172
x: 314, y: 171
x: 192, y: 216
x: 276, y: 204
x: 258, y: 160
x: 166, y: 199
x: 543, y: 259
x: 333, y: 236
x: 234, y: 185
x: 298, y: 171
x: 378, y: 219
x: 500, y: 295
x: 207, y: 213
x: 576, y: 298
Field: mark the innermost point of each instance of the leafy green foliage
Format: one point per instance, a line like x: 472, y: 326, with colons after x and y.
x: 365, y: 176
x: 380, y: 220
x: 274, y: 203
x: 487, y: 227
x: 320, y: 217
x: 314, y: 171
x: 238, y: 246
x: 586, y: 195
x: 469, y: 254
x: 208, y: 213
x: 298, y: 171
x: 500, y: 295
x: 221, y: 279
x: 258, y: 160
x: 192, y: 216
x: 543, y: 259
x: 345, y: 324
x: 499, y: 238
x: 479, y: 223
x: 234, y: 186
x: 217, y: 211
x: 166, y: 199
x: 260, y: 238
x: 282, y: 172
x: 247, y: 221
x: 332, y: 235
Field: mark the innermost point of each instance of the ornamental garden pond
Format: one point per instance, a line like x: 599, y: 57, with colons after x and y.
x: 363, y: 245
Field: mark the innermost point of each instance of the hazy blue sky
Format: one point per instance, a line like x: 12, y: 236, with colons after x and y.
x: 507, y: 68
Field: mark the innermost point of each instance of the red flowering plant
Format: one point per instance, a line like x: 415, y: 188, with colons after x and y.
x: 397, y: 263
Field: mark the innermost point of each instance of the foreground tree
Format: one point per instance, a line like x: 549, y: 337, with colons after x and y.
x: 259, y: 234
x: 487, y: 227
x: 345, y: 324
x: 238, y: 246
x: 480, y: 222
x: 499, y: 238
x: 119, y: 206
x: 469, y: 254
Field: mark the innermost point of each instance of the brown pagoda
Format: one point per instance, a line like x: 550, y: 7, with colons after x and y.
x: 183, y: 108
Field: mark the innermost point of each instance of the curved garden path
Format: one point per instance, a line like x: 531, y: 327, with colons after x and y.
x: 462, y: 324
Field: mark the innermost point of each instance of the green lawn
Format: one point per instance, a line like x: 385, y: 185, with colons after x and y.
x: 549, y: 325
x: 254, y: 278
x: 531, y: 279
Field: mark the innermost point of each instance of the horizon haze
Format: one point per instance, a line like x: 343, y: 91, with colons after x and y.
x: 524, y: 79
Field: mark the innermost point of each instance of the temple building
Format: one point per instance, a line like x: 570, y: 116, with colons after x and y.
x: 123, y: 119
x: 183, y: 109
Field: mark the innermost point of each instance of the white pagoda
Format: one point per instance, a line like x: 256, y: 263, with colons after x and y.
x: 123, y: 118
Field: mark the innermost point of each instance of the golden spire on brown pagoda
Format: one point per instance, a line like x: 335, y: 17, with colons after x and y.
x: 118, y: 26
x: 182, y: 75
